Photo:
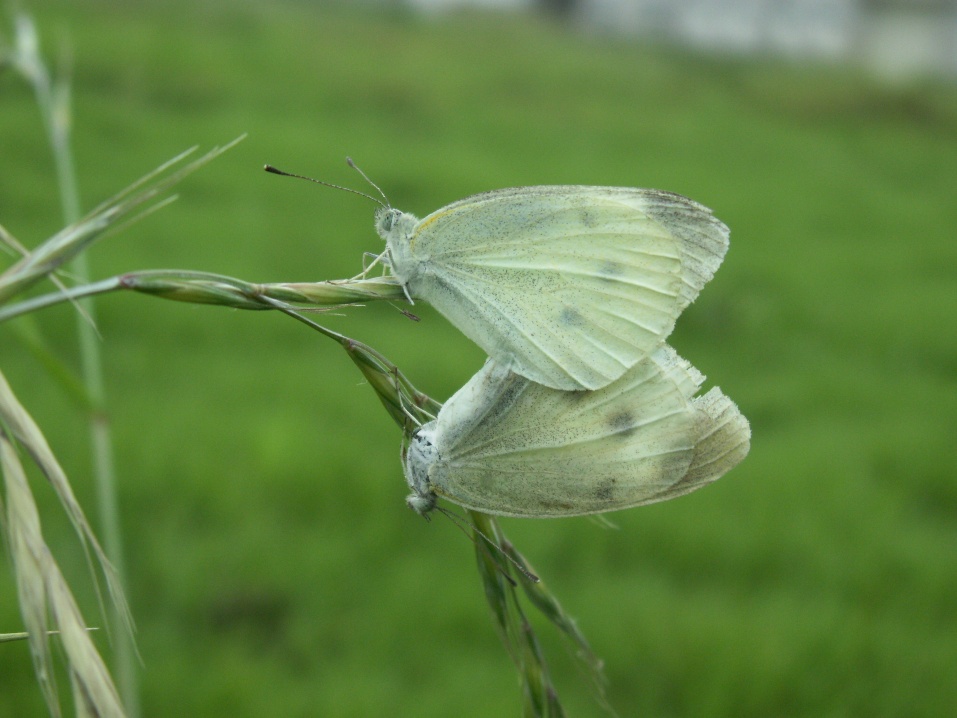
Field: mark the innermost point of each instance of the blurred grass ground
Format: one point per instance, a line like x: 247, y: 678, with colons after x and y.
x: 274, y: 569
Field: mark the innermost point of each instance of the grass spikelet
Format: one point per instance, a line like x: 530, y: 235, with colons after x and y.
x: 45, y: 598
x: 207, y: 288
x: 19, y: 426
x: 69, y: 242
x: 27, y: 552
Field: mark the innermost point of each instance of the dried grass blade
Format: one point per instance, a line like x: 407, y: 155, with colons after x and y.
x: 43, y: 592
x: 24, y: 430
x: 28, y: 552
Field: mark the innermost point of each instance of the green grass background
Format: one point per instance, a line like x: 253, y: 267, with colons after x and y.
x: 273, y: 567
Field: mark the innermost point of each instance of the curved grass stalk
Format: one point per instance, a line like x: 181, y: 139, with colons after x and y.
x: 44, y: 595
x: 208, y: 288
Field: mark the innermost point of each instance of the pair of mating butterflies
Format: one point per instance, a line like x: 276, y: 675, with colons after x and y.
x: 581, y: 408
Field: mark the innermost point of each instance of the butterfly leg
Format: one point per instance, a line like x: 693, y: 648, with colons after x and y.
x: 402, y: 403
x: 367, y: 265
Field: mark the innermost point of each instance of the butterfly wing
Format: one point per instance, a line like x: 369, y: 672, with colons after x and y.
x: 571, y: 285
x: 523, y: 449
x: 724, y: 439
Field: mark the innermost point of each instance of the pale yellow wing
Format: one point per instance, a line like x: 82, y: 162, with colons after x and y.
x: 571, y: 285
x: 507, y: 446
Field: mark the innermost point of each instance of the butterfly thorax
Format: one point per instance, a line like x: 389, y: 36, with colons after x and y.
x: 397, y: 229
x: 420, y: 455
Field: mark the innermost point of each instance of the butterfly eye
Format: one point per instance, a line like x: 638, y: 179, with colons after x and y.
x: 386, y: 219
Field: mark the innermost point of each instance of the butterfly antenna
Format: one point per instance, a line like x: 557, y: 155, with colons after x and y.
x: 354, y: 166
x: 270, y: 168
x: 406, y: 312
x: 463, y: 523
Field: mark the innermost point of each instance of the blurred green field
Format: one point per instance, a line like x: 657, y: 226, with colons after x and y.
x: 273, y: 566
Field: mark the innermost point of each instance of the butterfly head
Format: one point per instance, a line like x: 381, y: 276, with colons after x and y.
x: 418, y: 459
x: 392, y: 223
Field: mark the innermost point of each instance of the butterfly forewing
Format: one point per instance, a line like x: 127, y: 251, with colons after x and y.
x: 570, y: 285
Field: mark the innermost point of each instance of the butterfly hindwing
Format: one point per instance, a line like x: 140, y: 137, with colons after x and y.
x: 524, y: 449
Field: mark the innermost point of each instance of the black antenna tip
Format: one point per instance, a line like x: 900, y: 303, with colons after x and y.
x: 270, y: 168
x: 350, y: 162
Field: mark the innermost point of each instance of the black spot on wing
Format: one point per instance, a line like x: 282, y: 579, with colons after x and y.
x: 606, y: 491
x: 622, y: 423
x: 609, y: 271
x: 571, y: 317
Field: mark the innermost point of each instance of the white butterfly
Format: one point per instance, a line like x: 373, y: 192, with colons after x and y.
x: 568, y: 285
x: 507, y: 446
